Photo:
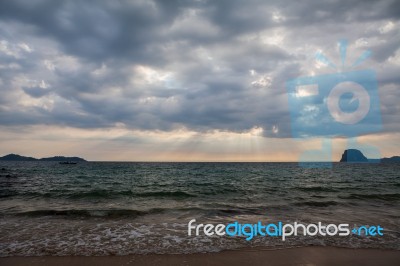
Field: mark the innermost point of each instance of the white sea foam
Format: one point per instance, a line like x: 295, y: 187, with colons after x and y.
x: 60, y: 237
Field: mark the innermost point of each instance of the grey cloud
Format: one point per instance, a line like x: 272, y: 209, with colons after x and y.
x: 227, y: 71
x: 35, y: 92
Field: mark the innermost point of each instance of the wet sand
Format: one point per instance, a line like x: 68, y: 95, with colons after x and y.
x: 309, y: 256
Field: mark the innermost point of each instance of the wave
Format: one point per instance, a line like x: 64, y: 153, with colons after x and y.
x: 316, y: 203
x: 89, y: 213
x: 108, y: 213
x: 219, y: 191
x: 173, y: 194
x: 98, y: 193
x: 384, y: 197
x: 94, y: 194
x: 132, y: 213
x: 317, y: 189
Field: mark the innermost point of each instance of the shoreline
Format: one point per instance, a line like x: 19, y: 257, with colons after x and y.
x: 291, y: 256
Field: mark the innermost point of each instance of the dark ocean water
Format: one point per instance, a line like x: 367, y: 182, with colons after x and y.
x: 101, y: 208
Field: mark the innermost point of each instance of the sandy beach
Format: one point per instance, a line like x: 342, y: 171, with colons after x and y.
x: 295, y: 256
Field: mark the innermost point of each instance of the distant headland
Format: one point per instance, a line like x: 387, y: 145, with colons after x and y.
x: 16, y: 157
x: 356, y: 156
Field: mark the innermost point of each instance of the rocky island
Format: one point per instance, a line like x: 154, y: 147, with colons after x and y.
x: 356, y: 156
x: 16, y: 157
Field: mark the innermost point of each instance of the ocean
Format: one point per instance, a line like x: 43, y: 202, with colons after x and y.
x: 111, y: 208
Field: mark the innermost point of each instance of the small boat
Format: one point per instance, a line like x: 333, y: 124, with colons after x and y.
x: 67, y: 162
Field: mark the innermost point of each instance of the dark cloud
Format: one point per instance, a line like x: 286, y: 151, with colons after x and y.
x: 162, y: 65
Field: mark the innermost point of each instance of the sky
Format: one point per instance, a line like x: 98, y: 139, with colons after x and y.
x: 182, y: 80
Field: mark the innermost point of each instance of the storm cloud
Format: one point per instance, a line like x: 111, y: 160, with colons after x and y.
x: 197, y: 65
